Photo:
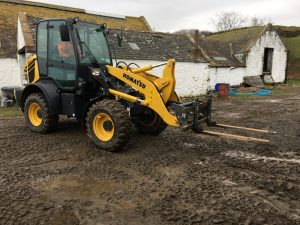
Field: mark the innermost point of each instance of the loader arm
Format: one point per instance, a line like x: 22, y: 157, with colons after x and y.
x: 149, y: 89
x: 166, y: 84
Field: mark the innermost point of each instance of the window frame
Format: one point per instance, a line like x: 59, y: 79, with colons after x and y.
x: 109, y: 50
x: 76, y: 53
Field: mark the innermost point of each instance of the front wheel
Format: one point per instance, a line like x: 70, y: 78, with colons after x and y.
x: 108, y: 125
x: 37, y: 114
x: 149, y: 122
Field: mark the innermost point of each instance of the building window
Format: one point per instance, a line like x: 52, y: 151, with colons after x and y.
x: 134, y: 46
x: 268, y: 60
x: 220, y: 58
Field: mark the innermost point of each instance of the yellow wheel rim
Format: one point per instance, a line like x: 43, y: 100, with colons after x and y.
x: 35, y: 115
x: 103, y: 127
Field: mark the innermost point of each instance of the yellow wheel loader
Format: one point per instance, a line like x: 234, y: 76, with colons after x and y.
x: 72, y: 74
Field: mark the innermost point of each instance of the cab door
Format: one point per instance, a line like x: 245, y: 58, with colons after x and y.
x: 56, y: 57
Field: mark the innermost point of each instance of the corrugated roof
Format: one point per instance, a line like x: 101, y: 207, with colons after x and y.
x: 11, y: 8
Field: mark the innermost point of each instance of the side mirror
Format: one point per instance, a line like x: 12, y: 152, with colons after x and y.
x: 64, y: 33
x: 120, y: 38
x: 103, y: 28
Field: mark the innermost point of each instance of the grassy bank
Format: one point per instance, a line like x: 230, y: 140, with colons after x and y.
x: 10, y: 111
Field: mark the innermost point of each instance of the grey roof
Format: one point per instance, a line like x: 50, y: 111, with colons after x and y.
x: 137, y: 45
x: 154, y: 46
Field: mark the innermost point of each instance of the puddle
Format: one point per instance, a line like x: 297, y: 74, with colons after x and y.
x: 239, y: 154
x: 231, y: 115
x: 171, y: 171
x: 229, y: 183
x: 275, y: 100
x: 79, y: 187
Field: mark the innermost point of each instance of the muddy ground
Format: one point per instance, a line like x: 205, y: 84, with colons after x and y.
x: 174, y: 178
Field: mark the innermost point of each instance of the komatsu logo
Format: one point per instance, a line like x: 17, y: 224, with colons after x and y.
x: 135, y: 81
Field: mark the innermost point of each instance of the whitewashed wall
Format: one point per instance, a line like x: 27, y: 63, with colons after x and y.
x: 9, y: 72
x: 20, y: 45
x: 232, y: 76
x: 20, y: 40
x: 255, y: 58
x: 191, y: 78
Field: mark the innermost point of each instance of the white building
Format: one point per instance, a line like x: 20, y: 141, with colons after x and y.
x: 225, y: 57
x: 239, y: 53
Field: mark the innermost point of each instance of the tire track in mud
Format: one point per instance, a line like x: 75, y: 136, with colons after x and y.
x: 175, y: 178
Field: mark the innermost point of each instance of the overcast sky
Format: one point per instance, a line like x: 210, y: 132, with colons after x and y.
x: 184, y: 14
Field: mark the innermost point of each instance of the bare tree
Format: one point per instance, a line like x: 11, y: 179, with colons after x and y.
x: 257, y: 21
x: 229, y: 20
x: 184, y: 31
x: 190, y: 32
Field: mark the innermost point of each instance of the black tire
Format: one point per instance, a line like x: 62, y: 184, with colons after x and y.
x: 118, y: 121
x: 150, y: 123
x: 48, y: 122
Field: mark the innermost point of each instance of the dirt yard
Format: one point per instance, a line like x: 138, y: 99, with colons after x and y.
x: 175, y: 178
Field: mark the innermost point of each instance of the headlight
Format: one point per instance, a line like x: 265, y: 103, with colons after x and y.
x: 95, y: 71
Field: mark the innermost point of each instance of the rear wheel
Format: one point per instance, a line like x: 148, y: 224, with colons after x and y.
x: 149, y: 122
x: 108, y: 125
x: 37, y: 114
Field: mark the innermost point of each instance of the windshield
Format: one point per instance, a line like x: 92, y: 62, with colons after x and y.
x: 93, y: 41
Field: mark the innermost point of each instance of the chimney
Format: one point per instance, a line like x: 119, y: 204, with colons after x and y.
x: 196, y: 38
x: 196, y: 46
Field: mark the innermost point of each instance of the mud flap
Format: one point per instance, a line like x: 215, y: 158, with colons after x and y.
x: 194, y: 113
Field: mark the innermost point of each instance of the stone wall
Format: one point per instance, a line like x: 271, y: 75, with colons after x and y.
x: 9, y: 72
x: 232, y: 76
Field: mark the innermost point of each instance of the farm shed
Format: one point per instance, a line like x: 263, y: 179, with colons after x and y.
x: 225, y: 57
x: 239, y: 53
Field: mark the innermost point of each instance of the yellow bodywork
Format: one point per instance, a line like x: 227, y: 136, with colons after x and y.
x: 156, y: 91
x: 31, y: 70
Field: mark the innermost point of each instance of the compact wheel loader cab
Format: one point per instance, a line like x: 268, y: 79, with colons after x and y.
x: 72, y: 74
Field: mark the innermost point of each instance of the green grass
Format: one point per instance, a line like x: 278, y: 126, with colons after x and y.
x: 294, y: 81
x: 191, y: 98
x: 245, y: 96
x: 293, y: 45
x: 10, y: 111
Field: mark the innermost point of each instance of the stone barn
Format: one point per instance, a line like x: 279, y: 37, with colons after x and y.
x: 245, y: 52
x: 152, y: 48
x: 225, y: 57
